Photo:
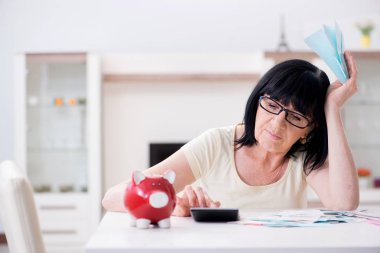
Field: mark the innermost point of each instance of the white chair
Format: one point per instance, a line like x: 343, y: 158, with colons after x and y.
x: 18, y: 211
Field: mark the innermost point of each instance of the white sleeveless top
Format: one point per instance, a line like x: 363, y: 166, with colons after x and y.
x: 211, y: 159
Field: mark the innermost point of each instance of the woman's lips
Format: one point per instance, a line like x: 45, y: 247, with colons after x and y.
x: 274, y: 136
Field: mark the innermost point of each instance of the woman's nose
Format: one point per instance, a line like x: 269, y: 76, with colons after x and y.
x: 280, y: 118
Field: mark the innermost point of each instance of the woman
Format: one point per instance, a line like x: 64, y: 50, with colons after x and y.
x: 292, y: 137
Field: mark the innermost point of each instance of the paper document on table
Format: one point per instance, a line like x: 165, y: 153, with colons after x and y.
x: 365, y: 214
x: 301, y: 218
x: 328, y: 43
x: 291, y: 215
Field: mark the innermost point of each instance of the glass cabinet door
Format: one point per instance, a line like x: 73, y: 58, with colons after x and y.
x: 56, y: 155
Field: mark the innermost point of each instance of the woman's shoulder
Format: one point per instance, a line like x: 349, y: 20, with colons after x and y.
x: 224, y: 131
x: 219, y: 136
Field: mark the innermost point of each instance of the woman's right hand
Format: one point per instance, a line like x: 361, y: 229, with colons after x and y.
x: 193, y: 197
x: 337, y: 93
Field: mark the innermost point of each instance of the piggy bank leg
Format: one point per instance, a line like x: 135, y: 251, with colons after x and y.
x: 132, y: 221
x: 165, y: 223
x: 142, y: 223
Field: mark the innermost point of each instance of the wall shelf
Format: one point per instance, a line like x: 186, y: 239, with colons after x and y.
x: 282, y: 56
x: 172, y: 77
x: 309, y: 55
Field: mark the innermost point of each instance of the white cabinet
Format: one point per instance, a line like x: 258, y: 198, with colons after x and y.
x: 58, y: 142
x: 362, y: 116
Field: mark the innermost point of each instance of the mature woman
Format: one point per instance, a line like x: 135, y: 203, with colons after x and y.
x: 292, y: 136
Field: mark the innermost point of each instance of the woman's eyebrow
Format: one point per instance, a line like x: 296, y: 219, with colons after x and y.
x: 293, y: 109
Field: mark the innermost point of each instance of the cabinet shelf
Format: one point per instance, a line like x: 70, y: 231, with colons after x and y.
x: 52, y: 107
x: 58, y: 149
x: 73, y: 57
x: 67, y: 195
x: 56, y: 191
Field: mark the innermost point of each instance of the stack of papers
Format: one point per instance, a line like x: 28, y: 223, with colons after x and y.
x: 308, y: 218
x: 328, y: 44
x: 369, y: 217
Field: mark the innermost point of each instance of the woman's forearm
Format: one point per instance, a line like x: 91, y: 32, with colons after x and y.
x: 343, y: 182
x: 113, y: 200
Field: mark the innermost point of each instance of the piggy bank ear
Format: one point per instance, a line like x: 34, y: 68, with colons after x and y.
x: 170, y: 176
x: 138, y: 176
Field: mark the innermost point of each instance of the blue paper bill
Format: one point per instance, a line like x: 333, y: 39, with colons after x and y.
x: 328, y: 44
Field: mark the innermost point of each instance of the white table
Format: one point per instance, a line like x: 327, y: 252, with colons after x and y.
x: 185, y: 235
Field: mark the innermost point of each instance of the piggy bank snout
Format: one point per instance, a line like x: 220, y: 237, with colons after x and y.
x: 158, y: 199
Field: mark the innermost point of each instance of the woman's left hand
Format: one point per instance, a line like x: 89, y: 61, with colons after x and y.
x: 339, y: 93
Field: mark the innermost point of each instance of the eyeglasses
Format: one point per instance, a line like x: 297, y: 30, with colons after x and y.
x: 294, y: 118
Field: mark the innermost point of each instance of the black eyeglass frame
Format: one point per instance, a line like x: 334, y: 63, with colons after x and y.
x: 286, y: 112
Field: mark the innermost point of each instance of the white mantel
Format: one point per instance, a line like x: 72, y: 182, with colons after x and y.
x: 184, y: 63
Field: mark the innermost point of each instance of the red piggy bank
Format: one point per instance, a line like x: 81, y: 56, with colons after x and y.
x: 150, y: 200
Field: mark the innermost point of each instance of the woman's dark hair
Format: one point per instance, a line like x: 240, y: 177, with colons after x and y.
x: 303, y: 85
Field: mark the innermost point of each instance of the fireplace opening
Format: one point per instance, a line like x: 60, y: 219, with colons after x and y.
x: 160, y: 151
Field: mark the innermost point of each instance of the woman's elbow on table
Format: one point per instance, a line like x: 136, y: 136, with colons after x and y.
x: 347, y: 206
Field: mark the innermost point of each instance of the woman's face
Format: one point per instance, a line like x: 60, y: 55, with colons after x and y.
x: 274, y: 133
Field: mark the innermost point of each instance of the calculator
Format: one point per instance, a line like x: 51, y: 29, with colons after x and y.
x: 205, y: 214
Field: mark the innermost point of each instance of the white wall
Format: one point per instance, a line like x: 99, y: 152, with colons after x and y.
x: 161, y: 26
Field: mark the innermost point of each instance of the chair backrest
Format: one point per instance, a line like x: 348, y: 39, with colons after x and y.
x: 18, y: 211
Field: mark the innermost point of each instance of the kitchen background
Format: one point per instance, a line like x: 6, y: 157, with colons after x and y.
x: 162, y: 28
